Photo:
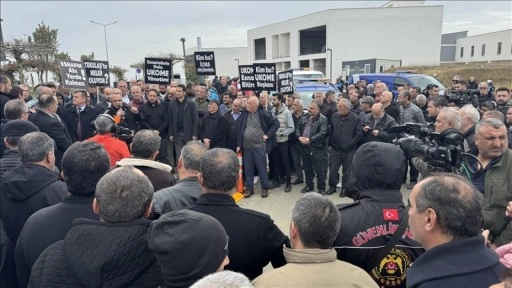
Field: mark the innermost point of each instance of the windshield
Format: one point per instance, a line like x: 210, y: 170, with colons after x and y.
x: 424, y: 80
x: 307, y: 96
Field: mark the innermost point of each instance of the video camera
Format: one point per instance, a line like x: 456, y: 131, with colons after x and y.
x: 441, y: 151
x: 461, y: 98
x: 122, y: 133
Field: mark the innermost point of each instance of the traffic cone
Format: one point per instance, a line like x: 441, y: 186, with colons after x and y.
x: 238, y: 195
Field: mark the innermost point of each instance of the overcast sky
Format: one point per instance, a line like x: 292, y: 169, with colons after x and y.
x: 153, y: 27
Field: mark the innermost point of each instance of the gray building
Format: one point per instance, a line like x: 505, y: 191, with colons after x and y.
x: 449, y: 45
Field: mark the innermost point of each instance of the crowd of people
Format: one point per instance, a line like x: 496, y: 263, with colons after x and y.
x: 67, y: 220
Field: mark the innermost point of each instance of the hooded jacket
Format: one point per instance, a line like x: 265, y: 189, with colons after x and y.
x: 99, y: 254
x: 375, y: 180
x: 26, y: 189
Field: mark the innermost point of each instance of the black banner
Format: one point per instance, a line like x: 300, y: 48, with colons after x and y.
x: 246, y: 73
x: 205, y: 63
x: 265, y: 76
x: 73, y: 74
x: 157, y: 71
x: 97, y: 73
x: 285, y: 82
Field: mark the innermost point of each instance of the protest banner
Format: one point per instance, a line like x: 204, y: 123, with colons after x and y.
x: 205, y: 63
x: 157, y: 71
x: 97, y: 72
x: 73, y: 74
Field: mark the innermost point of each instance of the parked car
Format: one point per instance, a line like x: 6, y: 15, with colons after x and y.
x: 395, y: 80
x: 306, y: 89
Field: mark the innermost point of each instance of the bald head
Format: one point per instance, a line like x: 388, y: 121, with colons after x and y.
x: 378, y: 110
x: 386, y: 97
x: 252, y: 104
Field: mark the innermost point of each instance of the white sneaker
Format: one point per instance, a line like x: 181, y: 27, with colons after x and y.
x: 339, y: 185
x: 256, y: 180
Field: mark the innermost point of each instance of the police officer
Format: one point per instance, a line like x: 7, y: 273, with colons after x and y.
x: 371, y: 220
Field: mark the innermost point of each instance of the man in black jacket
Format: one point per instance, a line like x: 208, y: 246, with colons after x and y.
x: 5, y: 89
x: 32, y: 185
x: 112, y: 252
x: 187, y: 190
x: 156, y: 119
x: 215, y: 126
x: 50, y: 123
x: 14, y: 109
x: 312, y: 132
x: 233, y: 120
x: 79, y: 117
x: 83, y: 164
x: 254, y: 239
x: 129, y: 117
x: 12, y: 133
x: 256, y: 137
x: 183, y: 120
x: 144, y: 149
x: 345, y: 133
x: 370, y: 221
x: 377, y: 124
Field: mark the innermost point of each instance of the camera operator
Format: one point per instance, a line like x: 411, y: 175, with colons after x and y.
x: 448, y: 118
x: 116, y: 148
x: 469, y: 116
x: 492, y: 176
x: 129, y: 116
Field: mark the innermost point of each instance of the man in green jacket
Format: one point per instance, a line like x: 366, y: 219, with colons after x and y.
x: 493, y: 178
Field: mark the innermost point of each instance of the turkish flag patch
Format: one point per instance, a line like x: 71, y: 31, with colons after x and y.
x: 390, y: 214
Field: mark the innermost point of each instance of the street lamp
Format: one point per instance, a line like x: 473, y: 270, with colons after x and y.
x: 330, y: 65
x: 184, y: 61
x: 105, y: 31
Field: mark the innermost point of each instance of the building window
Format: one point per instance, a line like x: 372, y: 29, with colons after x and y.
x: 499, y: 48
x: 367, y: 68
x: 312, y: 40
x: 260, y: 49
x: 461, y: 52
x: 472, y: 51
x: 381, y: 68
x: 483, y: 49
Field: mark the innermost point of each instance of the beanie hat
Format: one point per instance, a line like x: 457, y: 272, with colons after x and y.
x: 19, y: 128
x: 214, y: 100
x: 188, y: 245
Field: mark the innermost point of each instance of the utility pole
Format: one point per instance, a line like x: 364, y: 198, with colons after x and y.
x: 184, y: 62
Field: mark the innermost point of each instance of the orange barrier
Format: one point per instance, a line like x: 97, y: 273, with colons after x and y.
x: 238, y: 195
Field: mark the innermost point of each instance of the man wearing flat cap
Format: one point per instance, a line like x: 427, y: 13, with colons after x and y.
x: 13, y: 131
x: 215, y: 126
x: 188, y: 245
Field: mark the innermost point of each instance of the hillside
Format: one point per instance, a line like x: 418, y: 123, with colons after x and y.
x: 499, y: 73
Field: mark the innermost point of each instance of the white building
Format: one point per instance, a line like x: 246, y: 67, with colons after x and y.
x: 319, y: 40
x: 227, y: 59
x: 489, y: 47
